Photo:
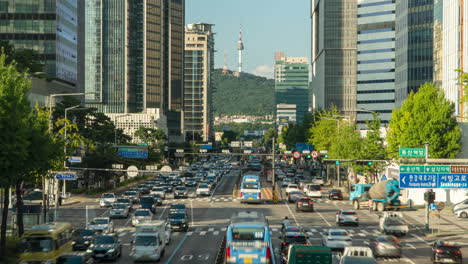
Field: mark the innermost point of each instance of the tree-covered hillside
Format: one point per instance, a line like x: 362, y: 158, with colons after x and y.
x: 248, y: 95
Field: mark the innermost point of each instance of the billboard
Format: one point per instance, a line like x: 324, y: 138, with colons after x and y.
x: 283, y: 120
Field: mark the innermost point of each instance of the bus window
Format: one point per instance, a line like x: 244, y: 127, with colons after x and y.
x: 250, y: 185
x: 249, y: 234
x: 38, y: 244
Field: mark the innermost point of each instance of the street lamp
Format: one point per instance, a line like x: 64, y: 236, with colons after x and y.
x: 115, y: 130
x: 52, y: 96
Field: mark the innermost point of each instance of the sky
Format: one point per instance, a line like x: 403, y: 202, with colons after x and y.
x: 267, y: 25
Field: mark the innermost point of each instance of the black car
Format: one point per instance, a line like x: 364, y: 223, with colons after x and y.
x: 144, y: 189
x: 158, y: 199
x: 335, y: 194
x: 446, y: 252
x: 180, y: 192
x: 177, y: 182
x: 179, y: 208
x: 178, y: 221
x: 147, y: 202
x: 305, y: 204
x: 106, y: 247
x: 82, y: 239
x: 191, y: 182
x: 75, y: 258
x: 293, y: 238
x: 167, y: 187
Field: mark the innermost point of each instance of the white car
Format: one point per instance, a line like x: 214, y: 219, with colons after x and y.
x: 357, y: 255
x: 203, y: 189
x: 102, y: 225
x: 119, y: 210
x: 313, y: 190
x: 141, y: 216
x: 292, y: 187
x: 347, y: 217
x: 107, y: 199
x: 463, y: 212
x: 159, y: 190
x: 337, y: 239
x: 318, y: 180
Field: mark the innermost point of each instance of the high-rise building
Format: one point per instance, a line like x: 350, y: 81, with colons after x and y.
x: 414, y: 63
x: 198, y: 70
x: 450, y: 50
x: 47, y: 26
x: 334, y: 40
x: 375, y: 60
x: 131, y: 57
x: 292, y: 83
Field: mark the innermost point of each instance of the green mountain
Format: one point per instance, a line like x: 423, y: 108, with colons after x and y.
x: 247, y: 95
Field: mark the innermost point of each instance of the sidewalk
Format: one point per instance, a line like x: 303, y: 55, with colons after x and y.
x: 450, y: 224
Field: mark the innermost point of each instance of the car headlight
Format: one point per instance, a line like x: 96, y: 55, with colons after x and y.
x: 111, y: 250
x: 86, y: 242
x: 89, y: 250
x: 73, y: 243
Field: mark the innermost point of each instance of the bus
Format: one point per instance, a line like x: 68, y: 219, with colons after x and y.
x: 248, y: 239
x: 45, y: 243
x: 250, y: 189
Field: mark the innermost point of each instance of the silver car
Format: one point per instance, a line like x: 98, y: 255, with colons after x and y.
x: 119, y: 210
x: 141, y: 216
x: 385, y: 246
x: 462, y: 212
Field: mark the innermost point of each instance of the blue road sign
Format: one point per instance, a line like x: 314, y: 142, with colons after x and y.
x: 383, y: 178
x: 418, y: 180
x: 133, y: 153
x: 300, y: 147
x: 65, y: 176
x: 453, y: 180
x: 433, y: 207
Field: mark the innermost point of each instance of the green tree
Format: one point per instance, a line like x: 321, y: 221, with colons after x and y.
x: 269, y: 135
x: 373, y: 147
x: 150, y: 135
x: 14, y: 139
x: 27, y: 60
x: 425, y: 116
x: 347, y: 142
x: 324, y: 131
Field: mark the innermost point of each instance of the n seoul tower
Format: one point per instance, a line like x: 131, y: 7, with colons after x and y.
x: 240, y: 48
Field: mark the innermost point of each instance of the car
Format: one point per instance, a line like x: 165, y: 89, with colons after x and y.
x: 144, y: 189
x: 107, y: 199
x: 385, y: 246
x: 158, y: 200
x: 304, y: 204
x: 347, y: 217
x: 286, y: 182
x: 119, y: 210
x: 141, y: 215
x: 127, y: 201
x: 358, y: 255
x: 291, y: 229
x: 106, y: 247
x: 75, y: 258
x: 167, y: 186
x: 132, y: 195
x: 176, y: 182
x: 180, y: 192
x: 292, y: 187
x: 446, y: 252
x: 318, y: 180
x: 335, y: 194
x: 460, y: 205
x: 178, y: 208
x: 203, y: 189
x: 102, y: 225
x: 178, y: 221
x: 337, y: 239
x: 81, y: 239
x: 147, y: 202
x: 293, y: 238
x: 314, y: 191
x: 462, y: 212
x: 159, y: 190
x: 294, y: 196
x: 191, y: 182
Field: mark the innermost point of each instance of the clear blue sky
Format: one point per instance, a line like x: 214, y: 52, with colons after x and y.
x: 268, y: 26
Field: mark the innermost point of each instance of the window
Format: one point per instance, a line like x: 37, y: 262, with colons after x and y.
x: 376, y: 71
x: 375, y: 40
x: 376, y: 91
x: 377, y: 3
x: 377, y: 14
x: 376, y: 30
x: 376, y: 101
x: 375, y: 51
x: 375, y: 61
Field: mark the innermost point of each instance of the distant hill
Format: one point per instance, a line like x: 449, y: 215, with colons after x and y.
x: 248, y: 95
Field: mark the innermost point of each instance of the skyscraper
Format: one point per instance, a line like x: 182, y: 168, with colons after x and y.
x: 334, y: 40
x: 198, y: 69
x: 375, y: 60
x: 47, y: 26
x: 292, y: 83
x: 414, y: 63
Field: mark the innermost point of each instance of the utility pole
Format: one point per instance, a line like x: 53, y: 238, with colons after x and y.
x: 338, y: 175
x: 426, y: 224
x: 273, y: 164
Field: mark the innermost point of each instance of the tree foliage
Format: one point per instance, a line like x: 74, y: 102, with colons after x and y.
x: 248, y: 95
x: 269, y: 135
x: 150, y: 135
x: 26, y: 60
x: 425, y: 117
x: 324, y: 131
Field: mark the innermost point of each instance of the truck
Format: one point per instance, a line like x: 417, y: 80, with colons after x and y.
x: 150, y: 240
x: 393, y: 223
x: 302, y: 254
x: 381, y: 196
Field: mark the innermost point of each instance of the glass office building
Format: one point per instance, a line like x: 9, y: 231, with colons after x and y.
x: 292, y: 83
x: 47, y: 26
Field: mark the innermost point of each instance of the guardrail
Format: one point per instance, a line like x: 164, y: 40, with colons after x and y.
x: 221, y: 252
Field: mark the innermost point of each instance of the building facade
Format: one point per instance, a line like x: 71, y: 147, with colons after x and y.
x: 375, y: 60
x: 198, y: 70
x: 48, y: 27
x: 131, y: 57
x: 414, y: 63
x: 292, y: 83
x: 334, y: 40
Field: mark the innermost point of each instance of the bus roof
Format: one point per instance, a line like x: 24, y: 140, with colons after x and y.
x: 47, y: 229
x: 248, y: 218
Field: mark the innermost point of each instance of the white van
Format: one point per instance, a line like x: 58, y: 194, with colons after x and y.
x: 313, y: 191
x: 150, y: 241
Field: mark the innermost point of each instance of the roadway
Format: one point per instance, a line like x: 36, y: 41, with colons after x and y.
x: 209, y: 217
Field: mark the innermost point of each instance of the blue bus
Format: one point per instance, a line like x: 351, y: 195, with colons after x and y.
x: 248, y: 239
x: 250, y: 189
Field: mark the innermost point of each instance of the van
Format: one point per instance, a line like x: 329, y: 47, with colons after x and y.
x: 314, y: 191
x: 150, y: 241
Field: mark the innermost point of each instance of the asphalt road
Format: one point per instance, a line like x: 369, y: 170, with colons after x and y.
x: 209, y: 217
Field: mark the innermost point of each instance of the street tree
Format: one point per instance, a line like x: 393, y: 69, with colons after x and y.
x: 26, y: 60
x: 425, y: 117
x: 14, y: 139
x: 150, y: 135
x: 269, y: 135
x: 324, y: 131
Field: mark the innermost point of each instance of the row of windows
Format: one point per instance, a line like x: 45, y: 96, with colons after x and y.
x: 376, y: 71
x: 377, y: 111
x: 377, y: 3
x: 375, y: 40
x: 375, y: 30
x: 375, y: 61
x: 415, y: 3
x: 377, y: 13
x: 376, y: 81
x: 375, y: 51
x: 376, y: 101
x: 418, y: 18
x: 376, y: 91
x: 364, y: 121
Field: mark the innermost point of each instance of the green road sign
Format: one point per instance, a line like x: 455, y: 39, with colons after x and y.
x: 425, y: 168
x: 412, y: 152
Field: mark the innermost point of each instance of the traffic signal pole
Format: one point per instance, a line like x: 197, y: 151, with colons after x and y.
x: 273, y: 164
x: 426, y: 224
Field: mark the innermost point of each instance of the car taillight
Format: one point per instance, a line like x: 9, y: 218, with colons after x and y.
x: 310, y: 202
x: 398, y: 246
x: 439, y: 251
x: 284, y: 243
x: 307, y: 243
x: 268, y: 255
x: 457, y: 252
x: 228, y: 253
x: 241, y: 195
x: 380, y: 245
x: 259, y: 195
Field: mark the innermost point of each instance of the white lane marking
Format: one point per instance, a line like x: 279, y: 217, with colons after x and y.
x: 313, y: 230
x: 310, y: 233
x: 210, y: 229
x: 351, y: 231
x: 411, y: 246
x: 407, y: 259
x: 416, y: 236
x: 364, y: 231
x: 202, y: 233
x: 128, y: 221
x: 162, y: 213
x: 321, y: 216
x: 122, y: 234
x: 376, y: 231
x: 216, y: 233
x: 189, y: 233
x: 191, y: 211
x: 289, y: 209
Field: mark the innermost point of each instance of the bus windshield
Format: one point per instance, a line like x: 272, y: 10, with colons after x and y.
x: 250, y: 185
x: 248, y: 234
x: 39, y: 244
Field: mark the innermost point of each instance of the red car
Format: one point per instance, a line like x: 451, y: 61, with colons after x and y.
x: 335, y: 194
x: 305, y: 205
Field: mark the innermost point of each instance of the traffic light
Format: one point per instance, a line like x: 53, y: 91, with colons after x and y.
x: 309, y: 156
x: 370, y: 163
x: 429, y: 196
x: 337, y: 162
x: 325, y: 156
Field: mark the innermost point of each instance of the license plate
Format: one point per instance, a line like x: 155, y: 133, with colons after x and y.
x: 247, y: 260
x: 99, y: 255
x: 250, y: 198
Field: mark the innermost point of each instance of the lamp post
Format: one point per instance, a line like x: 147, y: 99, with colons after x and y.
x: 115, y: 131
